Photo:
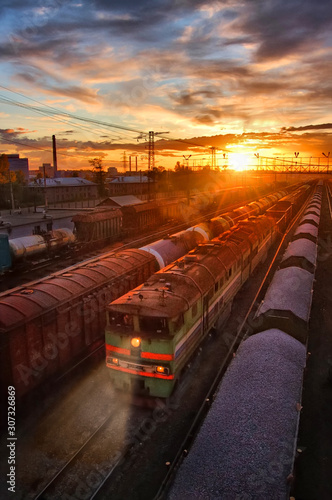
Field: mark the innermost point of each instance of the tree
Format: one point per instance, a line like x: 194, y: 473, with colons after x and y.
x: 178, y: 167
x: 4, y: 170
x: 7, y: 177
x: 99, y: 174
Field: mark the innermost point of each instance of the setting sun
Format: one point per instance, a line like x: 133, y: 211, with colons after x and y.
x: 238, y: 161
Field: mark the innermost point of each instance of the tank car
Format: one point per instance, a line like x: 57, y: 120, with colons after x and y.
x: 29, y: 247
x: 5, y: 257
x: 172, y: 248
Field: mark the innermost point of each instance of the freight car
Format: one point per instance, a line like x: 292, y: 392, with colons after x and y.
x: 100, y: 224
x: 246, y: 445
x: 28, y: 247
x: 49, y: 323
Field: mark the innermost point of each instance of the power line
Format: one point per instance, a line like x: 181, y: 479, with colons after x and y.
x: 51, y: 115
x: 96, y: 122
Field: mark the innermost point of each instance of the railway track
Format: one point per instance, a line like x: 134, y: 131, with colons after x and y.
x: 81, y: 472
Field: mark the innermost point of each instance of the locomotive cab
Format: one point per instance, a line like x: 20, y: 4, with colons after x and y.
x: 139, y: 352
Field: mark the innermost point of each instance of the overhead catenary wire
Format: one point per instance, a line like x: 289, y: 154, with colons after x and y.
x: 108, y: 125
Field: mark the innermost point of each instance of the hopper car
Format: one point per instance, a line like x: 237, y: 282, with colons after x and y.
x: 247, y: 444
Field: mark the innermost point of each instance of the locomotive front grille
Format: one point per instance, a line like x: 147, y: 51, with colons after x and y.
x: 128, y: 365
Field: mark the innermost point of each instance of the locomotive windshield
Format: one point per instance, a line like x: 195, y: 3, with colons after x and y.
x: 153, y: 325
x: 121, y: 320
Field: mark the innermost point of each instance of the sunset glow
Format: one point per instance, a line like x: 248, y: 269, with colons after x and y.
x: 101, y: 75
x: 239, y: 161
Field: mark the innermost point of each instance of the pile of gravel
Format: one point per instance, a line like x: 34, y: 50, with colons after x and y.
x: 290, y: 290
x: 245, y: 448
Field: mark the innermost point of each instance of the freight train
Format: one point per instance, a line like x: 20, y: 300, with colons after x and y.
x: 247, y: 443
x: 153, y: 330
x: 49, y: 324
x: 106, y: 224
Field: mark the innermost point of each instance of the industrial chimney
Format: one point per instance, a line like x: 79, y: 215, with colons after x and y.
x: 55, y: 165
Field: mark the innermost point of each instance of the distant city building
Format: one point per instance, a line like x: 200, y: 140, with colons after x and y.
x: 123, y: 185
x: 49, y: 170
x: 19, y: 164
x: 65, y: 189
x: 112, y: 171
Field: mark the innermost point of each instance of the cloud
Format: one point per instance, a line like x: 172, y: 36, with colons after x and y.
x: 43, y: 81
x: 280, y: 28
x: 323, y: 126
x: 12, y: 133
x: 191, y: 67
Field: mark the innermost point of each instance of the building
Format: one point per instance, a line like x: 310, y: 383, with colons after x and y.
x: 119, y: 201
x: 112, y: 171
x: 17, y: 164
x: 49, y: 170
x: 125, y: 185
x: 65, y: 189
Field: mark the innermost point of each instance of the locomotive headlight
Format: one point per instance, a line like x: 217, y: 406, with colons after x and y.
x: 162, y: 369
x: 135, y: 342
x: 114, y: 361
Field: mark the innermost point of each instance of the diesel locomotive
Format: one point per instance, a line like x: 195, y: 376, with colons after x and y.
x: 154, y: 330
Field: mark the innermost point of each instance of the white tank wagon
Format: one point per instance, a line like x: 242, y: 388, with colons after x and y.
x: 31, y: 246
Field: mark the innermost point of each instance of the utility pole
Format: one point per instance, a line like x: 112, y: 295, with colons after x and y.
x: 124, y: 159
x: 45, y: 188
x: 257, y: 156
x: 327, y: 156
x: 11, y: 189
x: 213, y: 157
x: 151, y: 147
x: 188, y: 181
x: 187, y: 159
x: 55, y: 163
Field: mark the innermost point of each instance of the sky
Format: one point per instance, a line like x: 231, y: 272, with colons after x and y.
x: 249, y: 77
